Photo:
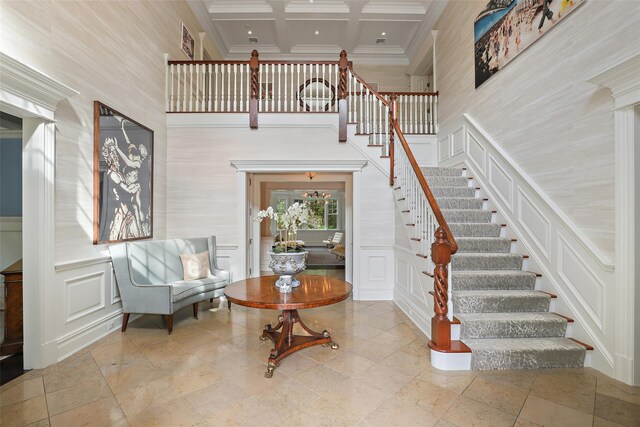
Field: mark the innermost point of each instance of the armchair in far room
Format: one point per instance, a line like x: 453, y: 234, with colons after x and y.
x: 334, y: 240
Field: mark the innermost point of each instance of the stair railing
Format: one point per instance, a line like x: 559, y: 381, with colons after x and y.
x: 417, y: 111
x: 369, y: 110
x: 431, y: 229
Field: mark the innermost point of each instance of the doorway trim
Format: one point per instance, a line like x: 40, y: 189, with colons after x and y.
x: 623, y: 79
x: 246, y: 167
x: 33, y: 96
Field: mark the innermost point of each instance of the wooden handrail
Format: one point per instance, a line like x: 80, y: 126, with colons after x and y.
x: 365, y: 84
x: 425, y: 188
x: 389, y: 93
x: 262, y: 62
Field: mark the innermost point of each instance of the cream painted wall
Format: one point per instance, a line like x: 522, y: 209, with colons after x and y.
x: 391, y: 77
x: 541, y: 110
x: 111, y: 52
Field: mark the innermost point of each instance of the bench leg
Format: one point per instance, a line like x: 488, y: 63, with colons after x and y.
x: 210, y: 299
x: 169, y: 323
x: 195, y: 310
x: 125, y: 320
x: 229, y: 304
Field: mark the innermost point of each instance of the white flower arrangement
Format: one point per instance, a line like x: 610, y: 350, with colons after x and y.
x: 290, y: 222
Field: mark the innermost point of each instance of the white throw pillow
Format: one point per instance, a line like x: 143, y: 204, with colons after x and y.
x: 195, y: 266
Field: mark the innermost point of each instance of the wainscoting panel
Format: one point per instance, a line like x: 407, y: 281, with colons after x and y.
x: 457, y: 142
x: 572, y: 267
x: 424, y: 148
x: 476, y: 152
x: 413, y: 297
x: 502, y: 183
x: 535, y: 222
x: 581, y: 281
x: 376, y: 275
x: 444, y: 148
x: 84, y: 295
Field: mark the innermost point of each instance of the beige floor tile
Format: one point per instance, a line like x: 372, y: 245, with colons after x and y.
x: 445, y: 423
x: 294, y: 364
x: 500, y: 396
x: 383, y: 378
x: 75, y: 362
x: 287, y: 397
x: 320, y: 353
x: 41, y: 423
x: 248, y: 412
x: 402, y: 329
x: 34, y: 373
x: 217, y: 396
x: 362, y: 331
x: 348, y: 363
x: 466, y: 412
x: 357, y: 397
x: 601, y: 422
x: 520, y: 422
x: 618, y: 411
x: 435, y: 399
x: 22, y: 391
x: 113, y: 350
x: 575, y: 391
x: 77, y: 395
x: 456, y: 381
x: 417, y: 348
x: 253, y: 381
x: 25, y: 412
x: 320, y: 378
x: 401, y: 412
x: 104, y: 412
x: 612, y: 388
x: 521, y: 378
x: 550, y: 414
x: 406, y: 363
x: 143, y: 396
x: 373, y: 350
x: 122, y: 377
x: 176, y: 413
x: 59, y: 379
x: 320, y: 413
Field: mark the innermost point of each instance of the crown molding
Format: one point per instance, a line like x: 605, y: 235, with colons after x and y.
x: 298, y: 165
x: 623, y: 79
x: 233, y: 6
x: 37, y: 93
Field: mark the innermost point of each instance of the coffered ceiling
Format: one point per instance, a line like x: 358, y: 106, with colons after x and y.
x: 371, y: 31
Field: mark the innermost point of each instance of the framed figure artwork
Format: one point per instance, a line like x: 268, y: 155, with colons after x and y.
x: 188, y: 43
x: 122, y: 177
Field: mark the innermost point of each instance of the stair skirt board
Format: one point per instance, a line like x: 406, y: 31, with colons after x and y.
x: 503, y: 320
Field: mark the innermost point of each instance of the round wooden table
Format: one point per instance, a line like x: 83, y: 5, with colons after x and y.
x: 314, y: 291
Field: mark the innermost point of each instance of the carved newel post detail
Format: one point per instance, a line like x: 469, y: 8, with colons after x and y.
x: 393, y: 109
x: 342, y: 97
x: 440, y: 324
x: 254, y: 65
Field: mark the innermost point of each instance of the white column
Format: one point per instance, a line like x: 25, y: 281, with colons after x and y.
x: 434, y: 33
x: 38, y: 178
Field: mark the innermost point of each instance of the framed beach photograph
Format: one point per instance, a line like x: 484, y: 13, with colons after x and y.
x: 505, y: 28
x: 188, y: 44
x: 122, y: 177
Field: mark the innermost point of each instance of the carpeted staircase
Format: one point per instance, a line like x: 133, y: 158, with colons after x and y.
x: 503, y: 319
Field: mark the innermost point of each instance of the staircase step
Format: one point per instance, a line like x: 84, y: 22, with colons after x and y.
x: 511, y: 325
x: 466, y: 215
x: 525, y: 353
x: 492, y: 280
x: 500, y: 301
x: 447, y: 181
x: 483, y: 244
x: 475, y: 229
x: 453, y: 191
x: 484, y: 261
x: 435, y: 171
x: 459, y: 203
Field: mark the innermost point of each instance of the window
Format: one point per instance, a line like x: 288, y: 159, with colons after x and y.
x: 331, y: 214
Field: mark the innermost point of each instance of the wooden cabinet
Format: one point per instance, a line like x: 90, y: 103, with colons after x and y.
x: 13, y: 334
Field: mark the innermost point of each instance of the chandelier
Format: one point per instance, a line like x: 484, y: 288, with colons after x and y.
x: 316, y: 195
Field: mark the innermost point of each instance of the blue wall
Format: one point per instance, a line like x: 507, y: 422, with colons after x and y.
x: 11, y: 177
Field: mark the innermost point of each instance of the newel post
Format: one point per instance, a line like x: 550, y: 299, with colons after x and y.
x: 393, y: 108
x: 440, y: 324
x: 342, y: 97
x: 254, y: 65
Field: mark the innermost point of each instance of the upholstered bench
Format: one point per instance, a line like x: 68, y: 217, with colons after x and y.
x: 157, y: 276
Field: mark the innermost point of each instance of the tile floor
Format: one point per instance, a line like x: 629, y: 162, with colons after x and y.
x: 210, y: 372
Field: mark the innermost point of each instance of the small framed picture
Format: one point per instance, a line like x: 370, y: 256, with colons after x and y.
x: 188, y: 44
x: 122, y: 177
